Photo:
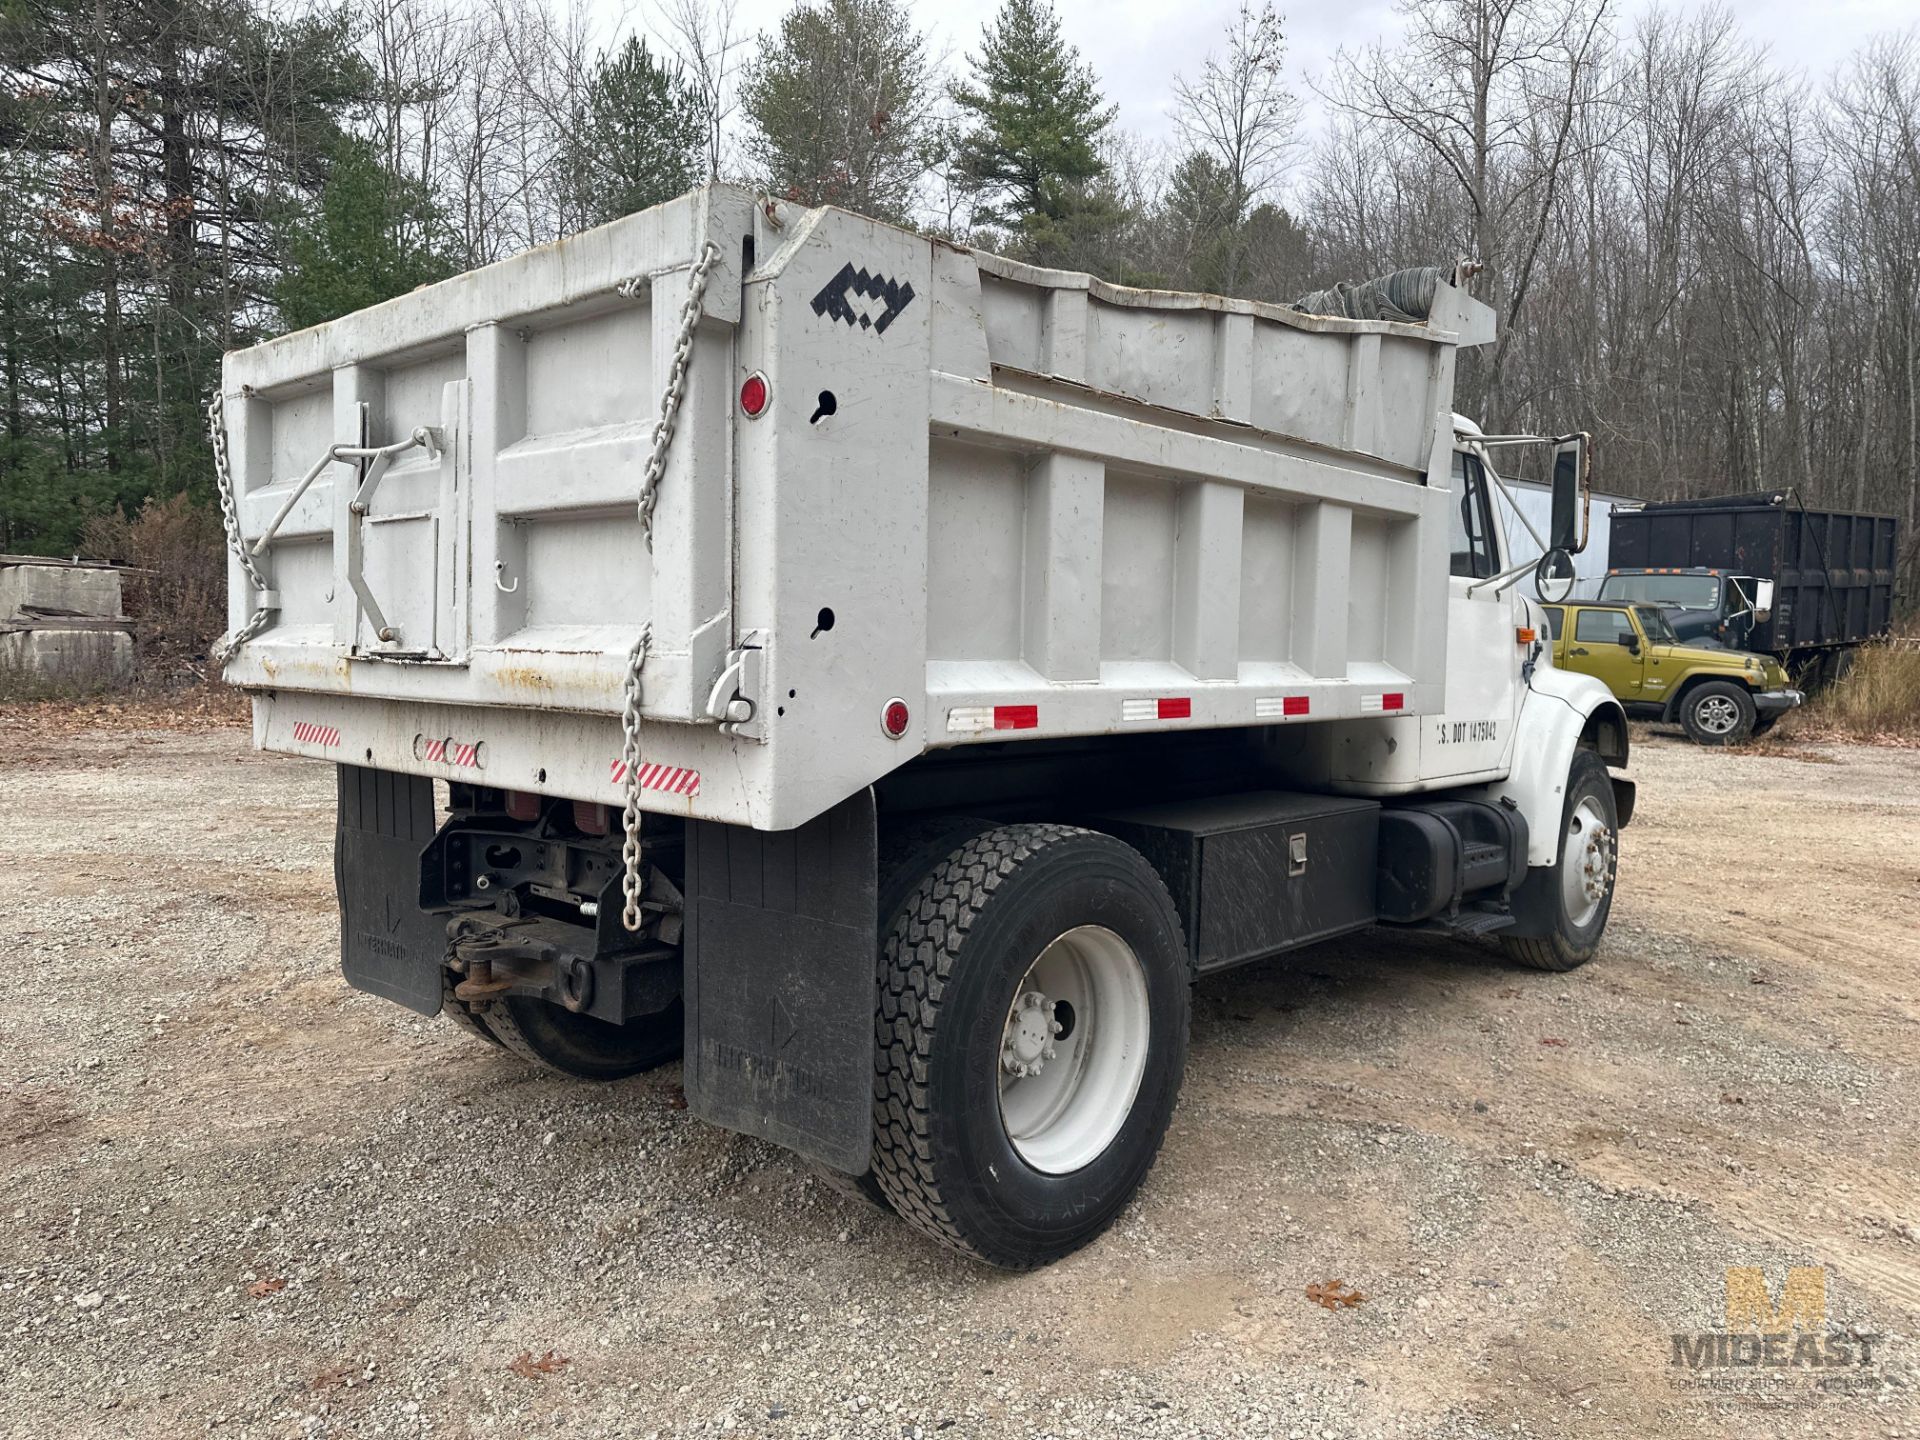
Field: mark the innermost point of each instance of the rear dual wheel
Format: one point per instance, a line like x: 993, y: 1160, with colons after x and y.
x: 1031, y: 1037
x: 556, y: 1038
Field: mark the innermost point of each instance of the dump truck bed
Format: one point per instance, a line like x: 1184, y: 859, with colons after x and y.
x: 1014, y: 503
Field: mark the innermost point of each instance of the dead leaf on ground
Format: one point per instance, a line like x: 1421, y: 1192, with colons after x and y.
x: 1555, y: 1041
x: 261, y: 1289
x: 528, y: 1368
x: 333, y: 1377
x: 1333, y: 1294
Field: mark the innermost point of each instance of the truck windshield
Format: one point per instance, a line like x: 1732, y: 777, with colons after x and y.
x: 1682, y: 592
x: 1654, y: 622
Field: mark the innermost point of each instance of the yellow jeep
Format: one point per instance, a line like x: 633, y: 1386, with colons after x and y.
x: 1719, y: 696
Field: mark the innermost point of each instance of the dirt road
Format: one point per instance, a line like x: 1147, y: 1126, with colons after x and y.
x: 237, y: 1198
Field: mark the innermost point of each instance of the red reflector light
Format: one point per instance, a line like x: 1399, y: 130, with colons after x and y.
x: 522, y: 806
x: 589, y: 818
x: 894, y: 717
x: 1294, y: 705
x: 1016, y: 717
x: 753, y: 395
x: 1177, y: 708
x: 1393, y: 702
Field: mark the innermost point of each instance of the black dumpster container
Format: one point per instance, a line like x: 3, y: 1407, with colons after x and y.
x: 1833, y: 571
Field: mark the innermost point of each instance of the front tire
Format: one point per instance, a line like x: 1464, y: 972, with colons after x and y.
x: 1717, y: 713
x: 1031, y: 1038
x: 1562, y: 909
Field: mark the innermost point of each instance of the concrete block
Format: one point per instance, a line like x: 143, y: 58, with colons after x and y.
x: 70, y: 588
x: 66, y: 659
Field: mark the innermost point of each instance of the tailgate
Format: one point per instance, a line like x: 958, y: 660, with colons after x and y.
x: 497, y: 559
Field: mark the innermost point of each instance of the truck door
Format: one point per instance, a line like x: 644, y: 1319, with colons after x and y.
x: 1606, y: 645
x: 1472, y: 735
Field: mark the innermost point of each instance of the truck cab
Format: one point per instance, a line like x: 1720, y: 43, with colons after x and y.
x: 1719, y: 696
x: 1704, y: 605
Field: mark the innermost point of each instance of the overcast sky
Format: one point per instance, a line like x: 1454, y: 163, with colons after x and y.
x: 1137, y: 46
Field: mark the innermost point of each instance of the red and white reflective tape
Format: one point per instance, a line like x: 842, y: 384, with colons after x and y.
x: 467, y: 754
x: 975, y: 719
x: 308, y: 733
x: 1166, y: 707
x: 1392, y: 700
x: 674, y: 779
x: 1281, y: 707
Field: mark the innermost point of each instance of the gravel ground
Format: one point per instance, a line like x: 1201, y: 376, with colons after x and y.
x: 237, y: 1198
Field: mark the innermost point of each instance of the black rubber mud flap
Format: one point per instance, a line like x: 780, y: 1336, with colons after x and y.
x: 389, y: 946
x: 780, y: 982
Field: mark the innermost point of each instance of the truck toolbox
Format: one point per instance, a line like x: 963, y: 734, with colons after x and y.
x: 1257, y: 873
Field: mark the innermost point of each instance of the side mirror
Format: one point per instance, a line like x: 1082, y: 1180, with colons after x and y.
x: 1629, y: 642
x: 1554, y: 577
x: 1762, y: 600
x: 1572, y: 491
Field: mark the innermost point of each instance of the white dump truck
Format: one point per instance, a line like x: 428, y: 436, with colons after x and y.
x: 888, y: 675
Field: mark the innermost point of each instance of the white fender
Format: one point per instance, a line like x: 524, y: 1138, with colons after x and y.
x: 1557, y: 709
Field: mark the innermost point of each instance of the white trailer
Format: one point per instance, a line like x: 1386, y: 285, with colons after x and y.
x: 893, y: 673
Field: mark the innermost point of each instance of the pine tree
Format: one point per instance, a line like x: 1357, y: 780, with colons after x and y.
x: 643, y: 135
x: 369, y: 239
x: 1037, y: 117
x: 840, y: 104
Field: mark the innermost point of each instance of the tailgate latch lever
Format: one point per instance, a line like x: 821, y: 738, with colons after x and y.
x: 732, y: 700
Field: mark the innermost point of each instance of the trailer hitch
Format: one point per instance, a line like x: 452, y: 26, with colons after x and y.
x: 498, y: 956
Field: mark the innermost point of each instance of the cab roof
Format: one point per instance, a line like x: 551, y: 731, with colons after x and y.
x: 1666, y: 570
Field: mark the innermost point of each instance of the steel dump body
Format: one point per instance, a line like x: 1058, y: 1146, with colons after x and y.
x: 1835, y: 571
x: 1024, y: 503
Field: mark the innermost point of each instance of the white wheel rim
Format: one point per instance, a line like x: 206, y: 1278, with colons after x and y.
x: 1717, y: 715
x: 1073, y: 1050
x: 1586, y: 862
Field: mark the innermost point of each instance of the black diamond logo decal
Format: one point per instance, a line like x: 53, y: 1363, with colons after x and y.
x: 834, y: 300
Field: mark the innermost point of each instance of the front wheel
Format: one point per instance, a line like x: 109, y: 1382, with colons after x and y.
x: 1032, y: 1034
x: 1562, y: 909
x: 1717, y: 713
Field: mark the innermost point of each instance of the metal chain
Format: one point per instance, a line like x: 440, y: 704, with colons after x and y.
x: 632, y: 882
x: 225, y: 647
x: 676, y: 388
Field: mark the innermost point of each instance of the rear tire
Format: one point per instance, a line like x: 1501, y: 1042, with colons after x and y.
x: 555, y: 1038
x: 1717, y: 713
x: 1563, y: 907
x: 1031, y: 1038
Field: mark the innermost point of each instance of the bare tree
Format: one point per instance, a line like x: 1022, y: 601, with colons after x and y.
x: 704, y: 38
x: 1241, y: 114
x: 1490, y: 91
